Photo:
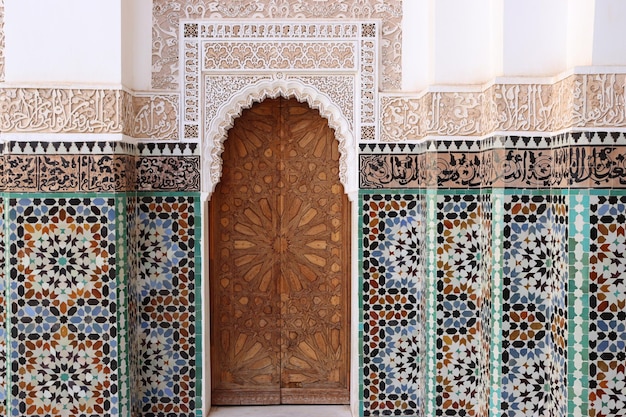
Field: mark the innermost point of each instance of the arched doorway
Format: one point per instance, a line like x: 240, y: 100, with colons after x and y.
x: 279, y: 262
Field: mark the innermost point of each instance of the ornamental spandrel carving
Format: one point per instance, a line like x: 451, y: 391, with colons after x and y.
x: 340, y: 90
x: 167, y: 16
x: 57, y: 110
x: 237, y: 56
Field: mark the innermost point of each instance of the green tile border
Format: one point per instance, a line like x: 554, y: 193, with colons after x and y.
x: 497, y: 247
x: 430, y: 293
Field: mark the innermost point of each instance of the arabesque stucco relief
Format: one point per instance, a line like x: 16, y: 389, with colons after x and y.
x: 578, y: 101
x: 574, y: 102
x: 167, y: 15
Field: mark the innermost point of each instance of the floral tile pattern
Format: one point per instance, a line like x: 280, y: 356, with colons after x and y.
x: 62, y: 296
x: 391, y: 297
x: 607, y: 304
x: 168, y: 248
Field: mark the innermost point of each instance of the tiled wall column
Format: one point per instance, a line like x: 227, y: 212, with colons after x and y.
x: 165, y: 292
x: 66, y: 270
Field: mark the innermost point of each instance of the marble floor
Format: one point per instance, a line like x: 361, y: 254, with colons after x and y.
x: 282, y: 411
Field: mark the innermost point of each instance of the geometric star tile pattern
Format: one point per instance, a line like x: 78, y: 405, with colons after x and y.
x: 63, y: 340
x: 168, y: 247
x: 461, y: 360
x: 391, y: 235
x: 607, y: 302
x: 526, y: 308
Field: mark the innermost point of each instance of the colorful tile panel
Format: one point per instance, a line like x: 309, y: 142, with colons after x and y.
x: 3, y: 318
x: 485, y: 268
x: 607, y: 305
x: 559, y: 276
x: 52, y: 167
x: 168, y: 167
x: 64, y: 350
x: 526, y: 308
x: 391, y: 236
x: 461, y: 363
x: 166, y: 292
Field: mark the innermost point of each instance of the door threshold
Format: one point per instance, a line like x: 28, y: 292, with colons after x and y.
x: 280, y: 411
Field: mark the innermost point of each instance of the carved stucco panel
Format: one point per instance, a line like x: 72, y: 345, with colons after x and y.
x: 167, y: 15
x: 401, y: 118
x: 57, y: 110
x: 155, y: 116
x: 337, y: 59
x: 577, y: 101
x: 603, y: 105
x: 454, y: 114
x: 279, y: 55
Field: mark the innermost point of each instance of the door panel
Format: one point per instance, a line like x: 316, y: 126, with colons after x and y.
x: 279, y: 261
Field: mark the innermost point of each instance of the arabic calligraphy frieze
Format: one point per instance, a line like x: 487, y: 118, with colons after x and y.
x: 169, y: 173
x: 168, y: 167
x: 67, y: 173
x: 560, y: 166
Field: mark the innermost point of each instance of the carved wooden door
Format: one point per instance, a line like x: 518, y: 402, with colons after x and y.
x: 279, y: 262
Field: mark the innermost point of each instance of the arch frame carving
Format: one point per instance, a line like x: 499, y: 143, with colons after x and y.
x: 217, y: 128
x: 228, y: 65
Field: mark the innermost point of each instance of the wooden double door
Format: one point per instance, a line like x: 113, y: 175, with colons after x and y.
x: 279, y: 262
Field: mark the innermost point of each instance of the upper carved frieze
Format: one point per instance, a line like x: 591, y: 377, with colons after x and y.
x: 64, y: 110
x: 577, y: 101
x: 167, y: 15
x: 59, y: 110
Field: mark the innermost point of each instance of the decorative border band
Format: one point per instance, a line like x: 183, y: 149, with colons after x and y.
x: 98, y: 167
x: 577, y: 101
x: 63, y: 110
x: 577, y: 160
x: 580, y: 101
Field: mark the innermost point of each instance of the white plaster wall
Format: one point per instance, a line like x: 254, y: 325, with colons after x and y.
x: 137, y: 44
x: 415, y: 44
x: 461, y: 42
x: 580, y: 19
x: 63, y: 42
x: 609, y: 41
x: 534, y: 37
